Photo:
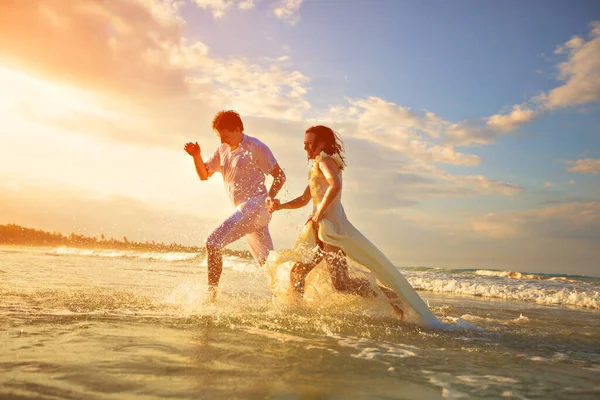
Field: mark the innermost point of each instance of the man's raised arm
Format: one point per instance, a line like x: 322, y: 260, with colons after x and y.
x: 193, y: 149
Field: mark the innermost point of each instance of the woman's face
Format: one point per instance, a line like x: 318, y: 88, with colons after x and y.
x: 312, y: 145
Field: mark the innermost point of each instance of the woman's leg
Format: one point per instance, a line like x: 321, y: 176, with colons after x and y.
x: 340, y: 277
x: 300, y: 271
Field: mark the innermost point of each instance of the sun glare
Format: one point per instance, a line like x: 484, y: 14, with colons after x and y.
x: 60, y: 136
x: 32, y: 97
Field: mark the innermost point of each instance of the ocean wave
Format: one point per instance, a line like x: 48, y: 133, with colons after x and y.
x: 171, y: 256
x: 517, y: 275
x: 551, y: 289
x: 559, y: 294
x: 524, y: 275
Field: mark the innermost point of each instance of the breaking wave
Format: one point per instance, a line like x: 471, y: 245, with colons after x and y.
x: 152, y: 255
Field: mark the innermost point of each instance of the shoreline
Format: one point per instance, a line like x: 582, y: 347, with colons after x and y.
x: 141, y: 249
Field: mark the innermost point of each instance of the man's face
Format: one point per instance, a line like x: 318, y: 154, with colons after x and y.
x: 230, y: 137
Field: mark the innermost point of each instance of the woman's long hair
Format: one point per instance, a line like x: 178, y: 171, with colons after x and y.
x: 333, y: 143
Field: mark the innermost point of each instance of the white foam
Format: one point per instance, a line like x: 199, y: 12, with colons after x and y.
x: 510, y: 393
x: 371, y: 353
x: 241, y: 265
x: 370, y: 350
x: 446, y: 381
x: 507, y: 285
x: 520, y: 320
x: 541, y: 292
x: 539, y: 359
x: 483, y: 381
x: 594, y: 368
x: 504, y: 274
x: 522, y: 275
x: 274, y: 335
x: 171, y: 256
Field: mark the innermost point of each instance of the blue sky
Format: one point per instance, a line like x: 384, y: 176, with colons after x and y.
x: 472, y: 127
x: 461, y: 59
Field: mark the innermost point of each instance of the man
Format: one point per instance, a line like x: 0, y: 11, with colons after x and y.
x: 243, y: 161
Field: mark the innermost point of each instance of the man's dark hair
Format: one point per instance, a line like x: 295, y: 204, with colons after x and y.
x: 229, y: 120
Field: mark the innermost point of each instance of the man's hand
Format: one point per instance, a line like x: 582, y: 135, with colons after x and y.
x: 273, y: 204
x: 193, y: 149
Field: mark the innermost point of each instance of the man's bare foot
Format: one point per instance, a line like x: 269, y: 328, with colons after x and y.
x: 211, y: 295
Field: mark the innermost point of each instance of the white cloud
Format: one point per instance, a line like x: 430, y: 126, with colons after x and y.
x: 164, y: 11
x: 250, y: 88
x: 574, y: 43
x: 585, y: 166
x: 220, y: 7
x: 488, y: 129
x: 549, y: 184
x: 146, y: 78
x: 126, y: 43
x: 505, y: 123
x: 480, y: 183
x: 580, y: 71
x: 399, y: 128
x: 409, y: 141
x: 287, y: 10
x: 264, y: 89
x: 573, y: 220
x: 246, y: 4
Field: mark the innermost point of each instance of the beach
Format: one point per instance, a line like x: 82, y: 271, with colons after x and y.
x: 102, y: 324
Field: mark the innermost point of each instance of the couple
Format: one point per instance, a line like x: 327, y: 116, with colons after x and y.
x: 327, y: 236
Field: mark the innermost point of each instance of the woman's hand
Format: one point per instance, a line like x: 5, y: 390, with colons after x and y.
x: 315, y: 218
x: 273, y: 204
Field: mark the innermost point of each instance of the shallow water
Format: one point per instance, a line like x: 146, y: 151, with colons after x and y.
x: 100, y: 325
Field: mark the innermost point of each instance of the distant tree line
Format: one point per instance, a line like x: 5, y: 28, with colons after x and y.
x: 16, y: 235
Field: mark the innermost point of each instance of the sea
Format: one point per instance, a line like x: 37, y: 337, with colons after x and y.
x: 114, y: 324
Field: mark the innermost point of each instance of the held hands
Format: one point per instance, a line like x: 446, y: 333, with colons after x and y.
x: 273, y: 204
x: 193, y: 149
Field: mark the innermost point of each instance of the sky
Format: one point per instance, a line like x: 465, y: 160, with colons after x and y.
x: 472, y: 129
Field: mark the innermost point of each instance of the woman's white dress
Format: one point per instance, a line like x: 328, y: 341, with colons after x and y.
x: 335, y: 229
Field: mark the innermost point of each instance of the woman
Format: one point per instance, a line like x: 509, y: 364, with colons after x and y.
x: 329, y: 236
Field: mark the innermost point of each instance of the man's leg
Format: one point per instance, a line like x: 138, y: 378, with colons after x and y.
x: 215, y: 268
x: 239, y: 224
x: 260, y: 244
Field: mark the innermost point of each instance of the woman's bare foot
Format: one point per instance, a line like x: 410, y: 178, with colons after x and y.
x: 397, y: 311
x: 389, y: 293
